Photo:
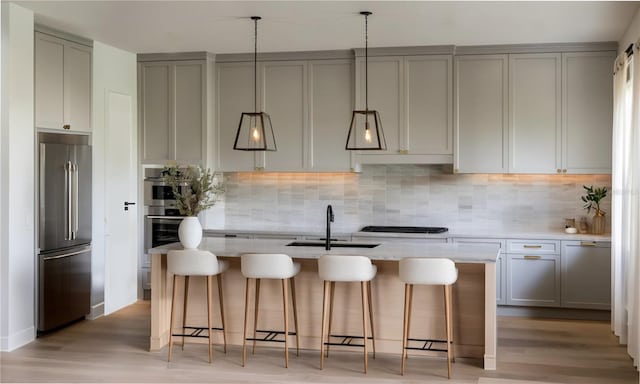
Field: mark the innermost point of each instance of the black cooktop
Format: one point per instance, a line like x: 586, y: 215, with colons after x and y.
x: 396, y: 229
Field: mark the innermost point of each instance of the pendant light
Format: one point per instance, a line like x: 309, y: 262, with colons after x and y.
x: 365, y: 132
x: 255, y: 132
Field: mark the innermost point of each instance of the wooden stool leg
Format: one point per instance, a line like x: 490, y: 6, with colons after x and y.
x: 184, y: 309
x: 409, y: 318
x: 255, y: 315
x: 363, y: 289
x: 325, y: 292
x: 285, y: 301
x: 373, y: 334
x: 220, y: 297
x: 173, y: 300
x: 295, y: 314
x: 453, y: 350
x: 333, y: 289
x: 246, y: 315
x: 405, y: 327
x: 209, y: 316
x: 447, y: 303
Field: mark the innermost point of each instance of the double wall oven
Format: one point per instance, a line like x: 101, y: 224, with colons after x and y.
x: 162, y: 216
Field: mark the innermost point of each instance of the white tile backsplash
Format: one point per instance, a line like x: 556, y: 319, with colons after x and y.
x: 402, y: 195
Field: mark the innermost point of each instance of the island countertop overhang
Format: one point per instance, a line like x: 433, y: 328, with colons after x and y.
x: 389, y: 251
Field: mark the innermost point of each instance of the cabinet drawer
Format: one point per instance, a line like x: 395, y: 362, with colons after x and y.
x: 537, y: 247
x: 533, y: 280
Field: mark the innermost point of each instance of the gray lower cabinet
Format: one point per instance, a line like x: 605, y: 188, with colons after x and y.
x: 501, y: 275
x: 533, y: 280
x: 586, y: 274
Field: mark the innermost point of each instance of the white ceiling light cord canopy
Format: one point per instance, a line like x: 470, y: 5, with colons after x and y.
x: 365, y: 131
x: 255, y: 132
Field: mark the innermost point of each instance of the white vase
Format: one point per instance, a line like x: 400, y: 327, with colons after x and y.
x: 190, y: 232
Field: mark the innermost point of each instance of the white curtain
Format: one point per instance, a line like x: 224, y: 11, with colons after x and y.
x: 625, y: 226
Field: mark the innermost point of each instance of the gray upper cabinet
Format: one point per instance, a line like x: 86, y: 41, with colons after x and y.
x: 385, y: 95
x: 587, y: 111
x: 284, y: 98
x: 309, y: 102
x: 331, y: 94
x: 535, y: 114
x: 174, y: 113
x: 235, y: 94
x: 414, y: 95
x: 62, y: 83
x: 481, y: 114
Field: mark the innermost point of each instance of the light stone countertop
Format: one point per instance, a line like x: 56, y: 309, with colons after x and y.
x: 533, y: 235
x: 234, y: 247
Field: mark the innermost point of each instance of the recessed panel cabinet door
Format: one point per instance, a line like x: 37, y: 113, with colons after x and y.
x: 189, y: 111
x: 481, y: 114
x: 385, y: 93
x: 587, y: 111
x: 157, y: 112
x: 429, y: 105
x: 235, y: 95
x: 77, y: 86
x: 533, y: 280
x: 284, y: 98
x: 586, y: 274
x: 534, y: 113
x: 331, y: 104
x: 49, y: 61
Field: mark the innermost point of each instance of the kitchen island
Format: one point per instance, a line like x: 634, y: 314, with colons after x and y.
x: 474, y: 295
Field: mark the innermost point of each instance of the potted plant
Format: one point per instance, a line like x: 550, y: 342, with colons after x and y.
x: 201, y: 193
x: 592, y: 201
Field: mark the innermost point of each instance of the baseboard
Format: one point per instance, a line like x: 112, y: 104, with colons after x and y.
x: 97, y: 311
x: 18, y: 339
x: 554, y: 313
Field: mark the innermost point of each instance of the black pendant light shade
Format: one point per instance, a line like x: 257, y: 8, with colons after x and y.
x: 255, y: 132
x: 365, y: 131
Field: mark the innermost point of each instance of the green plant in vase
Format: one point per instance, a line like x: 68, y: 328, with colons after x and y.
x: 195, y: 190
x: 592, y: 201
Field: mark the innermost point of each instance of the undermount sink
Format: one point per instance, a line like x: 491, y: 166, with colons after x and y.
x: 333, y: 245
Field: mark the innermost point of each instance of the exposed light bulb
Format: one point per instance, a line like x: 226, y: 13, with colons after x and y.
x: 367, y: 132
x: 255, y: 134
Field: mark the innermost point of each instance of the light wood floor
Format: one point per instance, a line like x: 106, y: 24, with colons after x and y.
x: 114, y: 349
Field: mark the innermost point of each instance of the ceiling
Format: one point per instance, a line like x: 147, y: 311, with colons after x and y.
x: 225, y: 27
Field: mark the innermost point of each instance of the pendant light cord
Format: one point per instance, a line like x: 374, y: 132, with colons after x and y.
x: 255, y: 66
x: 366, y: 62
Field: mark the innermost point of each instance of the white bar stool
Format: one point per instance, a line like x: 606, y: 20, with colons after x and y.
x: 427, y: 272
x: 193, y: 262
x: 270, y: 266
x: 346, y: 268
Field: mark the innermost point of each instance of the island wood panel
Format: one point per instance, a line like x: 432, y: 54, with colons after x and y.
x: 387, y: 296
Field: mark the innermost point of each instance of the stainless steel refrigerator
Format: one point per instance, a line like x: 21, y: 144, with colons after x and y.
x: 64, y: 209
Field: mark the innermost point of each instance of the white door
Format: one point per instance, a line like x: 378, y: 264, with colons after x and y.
x: 121, y: 263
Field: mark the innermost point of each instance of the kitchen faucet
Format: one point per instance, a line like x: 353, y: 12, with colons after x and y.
x: 330, y: 217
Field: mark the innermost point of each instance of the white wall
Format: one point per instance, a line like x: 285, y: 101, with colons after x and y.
x: 632, y: 34
x: 17, y: 218
x: 113, y: 70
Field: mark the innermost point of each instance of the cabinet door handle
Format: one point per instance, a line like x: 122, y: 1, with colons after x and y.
x: 530, y: 257
x: 588, y: 243
x: 532, y: 246
x: 66, y: 126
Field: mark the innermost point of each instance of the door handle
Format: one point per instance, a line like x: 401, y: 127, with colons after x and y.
x: 74, y: 167
x: 127, y: 204
x: 531, y: 257
x: 67, y: 183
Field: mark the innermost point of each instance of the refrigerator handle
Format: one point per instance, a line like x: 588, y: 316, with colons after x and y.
x: 67, y: 187
x: 75, y: 201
